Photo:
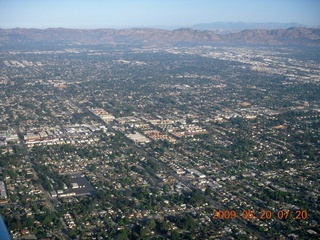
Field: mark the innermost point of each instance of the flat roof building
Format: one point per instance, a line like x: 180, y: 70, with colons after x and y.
x: 3, y: 193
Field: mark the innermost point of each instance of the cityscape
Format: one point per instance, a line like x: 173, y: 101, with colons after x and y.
x: 159, y: 141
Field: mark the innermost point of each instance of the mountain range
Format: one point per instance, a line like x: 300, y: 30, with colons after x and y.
x: 231, y: 27
x: 289, y: 36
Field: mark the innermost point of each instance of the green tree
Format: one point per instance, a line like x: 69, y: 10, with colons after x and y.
x: 175, y: 235
x: 166, y: 188
x: 122, y: 235
x: 208, y: 191
x: 71, y: 233
x: 151, y: 224
x: 164, y: 227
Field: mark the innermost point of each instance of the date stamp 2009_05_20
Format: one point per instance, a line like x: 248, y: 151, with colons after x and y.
x: 248, y: 214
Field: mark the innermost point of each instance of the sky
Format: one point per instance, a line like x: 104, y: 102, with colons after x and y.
x: 152, y: 13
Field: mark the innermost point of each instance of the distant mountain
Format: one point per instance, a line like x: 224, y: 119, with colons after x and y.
x: 292, y: 36
x: 230, y: 27
x: 104, y: 36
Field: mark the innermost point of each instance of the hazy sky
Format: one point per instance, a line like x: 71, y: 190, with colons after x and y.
x: 151, y: 13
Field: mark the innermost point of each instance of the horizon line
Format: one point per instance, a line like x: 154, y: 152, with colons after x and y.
x: 164, y: 27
